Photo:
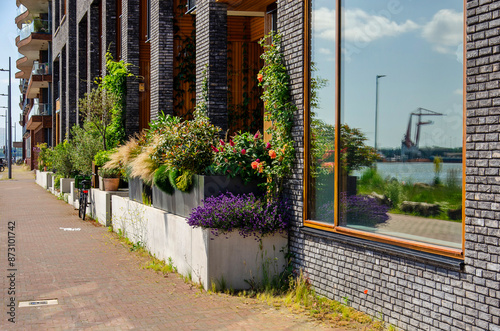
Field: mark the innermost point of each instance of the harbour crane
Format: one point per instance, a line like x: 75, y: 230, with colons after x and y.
x: 409, y: 147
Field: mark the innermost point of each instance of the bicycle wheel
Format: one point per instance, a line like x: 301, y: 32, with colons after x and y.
x: 80, y: 205
x: 84, y: 205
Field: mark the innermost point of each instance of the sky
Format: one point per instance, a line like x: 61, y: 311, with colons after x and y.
x: 417, y: 45
x: 8, y: 13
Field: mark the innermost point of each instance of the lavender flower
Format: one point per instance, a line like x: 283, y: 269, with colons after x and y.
x: 246, y: 213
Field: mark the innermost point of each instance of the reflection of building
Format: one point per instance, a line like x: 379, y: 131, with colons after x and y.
x: 34, y: 43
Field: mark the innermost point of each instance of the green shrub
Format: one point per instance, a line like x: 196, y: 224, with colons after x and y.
x: 84, y: 145
x: 162, y: 181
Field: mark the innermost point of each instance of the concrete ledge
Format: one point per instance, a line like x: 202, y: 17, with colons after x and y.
x: 100, y: 204
x: 66, y: 184
x: 42, y: 178
x: 227, y: 258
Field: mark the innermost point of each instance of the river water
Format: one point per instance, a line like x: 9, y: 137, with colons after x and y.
x: 418, y: 172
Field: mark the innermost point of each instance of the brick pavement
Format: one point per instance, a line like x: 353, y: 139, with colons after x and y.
x: 99, y: 284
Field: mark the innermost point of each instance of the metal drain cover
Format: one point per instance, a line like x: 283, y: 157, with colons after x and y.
x: 38, y: 303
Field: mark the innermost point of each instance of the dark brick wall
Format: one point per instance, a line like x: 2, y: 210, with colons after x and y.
x: 82, y: 58
x: 162, y: 57
x: 211, y: 50
x: 71, y: 66
x: 94, y: 52
x: 411, y: 290
x: 108, y: 39
x: 62, y: 96
x: 130, y: 54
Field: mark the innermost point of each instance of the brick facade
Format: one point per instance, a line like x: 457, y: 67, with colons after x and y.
x: 130, y: 54
x: 414, y: 290
x: 211, y: 51
x: 162, y: 58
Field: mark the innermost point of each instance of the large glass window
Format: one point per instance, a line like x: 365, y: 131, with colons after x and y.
x: 398, y: 105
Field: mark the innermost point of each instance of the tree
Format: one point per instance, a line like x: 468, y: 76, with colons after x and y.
x: 97, y: 109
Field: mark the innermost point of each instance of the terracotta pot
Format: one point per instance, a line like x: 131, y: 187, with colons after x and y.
x: 110, y: 184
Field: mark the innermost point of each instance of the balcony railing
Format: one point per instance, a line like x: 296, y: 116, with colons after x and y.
x: 39, y: 109
x: 36, y: 26
x: 21, y: 10
x: 41, y: 68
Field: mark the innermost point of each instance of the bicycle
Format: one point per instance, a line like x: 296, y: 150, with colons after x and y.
x: 83, y: 185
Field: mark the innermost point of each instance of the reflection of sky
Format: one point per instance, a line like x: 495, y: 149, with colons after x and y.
x: 414, y: 43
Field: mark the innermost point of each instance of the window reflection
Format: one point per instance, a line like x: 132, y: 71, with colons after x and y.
x: 322, y: 111
x: 401, y: 114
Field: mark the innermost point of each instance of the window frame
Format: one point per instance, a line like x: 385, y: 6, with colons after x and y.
x: 335, y: 228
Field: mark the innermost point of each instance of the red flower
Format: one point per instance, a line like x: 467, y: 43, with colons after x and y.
x: 272, y: 154
x: 258, y: 160
x: 366, y: 291
x: 243, y: 151
x: 231, y: 142
x: 260, y: 78
x: 268, y: 146
x: 222, y: 142
x: 255, y: 165
x: 215, y: 149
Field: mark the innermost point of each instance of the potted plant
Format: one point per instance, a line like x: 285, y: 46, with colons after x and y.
x: 110, y: 178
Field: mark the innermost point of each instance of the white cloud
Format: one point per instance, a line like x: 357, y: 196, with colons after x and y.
x: 324, y: 23
x: 444, y: 31
x: 360, y: 26
x: 363, y: 27
x: 459, y: 91
x: 325, y: 51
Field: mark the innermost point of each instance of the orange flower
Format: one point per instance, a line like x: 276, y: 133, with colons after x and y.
x: 260, y: 78
x: 272, y: 154
x: 255, y: 165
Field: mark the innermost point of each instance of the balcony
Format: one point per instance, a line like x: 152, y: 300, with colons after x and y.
x: 37, y: 26
x: 22, y: 16
x: 41, y: 76
x: 23, y: 85
x: 33, y: 38
x: 40, y: 115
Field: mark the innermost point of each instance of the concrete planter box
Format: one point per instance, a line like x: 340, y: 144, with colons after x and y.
x: 66, y: 185
x: 42, y: 178
x: 138, y: 190
x: 101, y: 205
x: 196, y: 251
x: 182, y: 203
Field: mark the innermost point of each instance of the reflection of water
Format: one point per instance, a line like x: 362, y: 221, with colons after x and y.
x: 417, y: 172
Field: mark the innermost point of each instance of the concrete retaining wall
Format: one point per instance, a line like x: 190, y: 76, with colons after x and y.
x: 209, y: 259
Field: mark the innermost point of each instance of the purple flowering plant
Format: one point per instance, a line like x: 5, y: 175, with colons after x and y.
x: 357, y: 210
x: 250, y: 215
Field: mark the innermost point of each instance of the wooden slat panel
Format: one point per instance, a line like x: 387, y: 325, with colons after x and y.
x: 184, y: 91
x: 256, y: 28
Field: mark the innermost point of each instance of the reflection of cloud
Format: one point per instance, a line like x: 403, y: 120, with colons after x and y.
x: 364, y: 27
x: 360, y: 26
x: 324, y: 23
x: 459, y: 91
x: 444, y: 31
x: 325, y: 51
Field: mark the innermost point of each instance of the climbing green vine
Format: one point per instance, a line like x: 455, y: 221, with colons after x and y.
x: 279, y: 110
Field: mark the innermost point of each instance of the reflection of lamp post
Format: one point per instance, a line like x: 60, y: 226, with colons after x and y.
x: 376, y: 109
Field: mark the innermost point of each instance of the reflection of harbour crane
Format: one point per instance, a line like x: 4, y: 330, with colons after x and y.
x: 409, y: 147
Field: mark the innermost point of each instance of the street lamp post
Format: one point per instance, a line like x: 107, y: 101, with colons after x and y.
x: 376, y: 110
x: 9, y: 125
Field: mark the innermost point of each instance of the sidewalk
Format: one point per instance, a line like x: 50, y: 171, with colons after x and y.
x: 98, y: 283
